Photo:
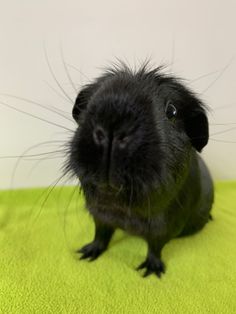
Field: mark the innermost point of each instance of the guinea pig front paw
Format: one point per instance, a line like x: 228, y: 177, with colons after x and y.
x: 91, y: 250
x: 152, y: 265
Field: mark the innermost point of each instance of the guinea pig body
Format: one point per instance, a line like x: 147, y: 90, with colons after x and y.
x: 135, y: 153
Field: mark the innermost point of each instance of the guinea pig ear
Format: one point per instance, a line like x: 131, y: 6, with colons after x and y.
x: 196, y: 127
x: 81, y: 101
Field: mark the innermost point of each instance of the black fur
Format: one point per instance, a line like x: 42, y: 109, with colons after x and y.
x: 137, y: 160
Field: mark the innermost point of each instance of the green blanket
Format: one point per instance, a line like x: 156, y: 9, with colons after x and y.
x: 40, y: 273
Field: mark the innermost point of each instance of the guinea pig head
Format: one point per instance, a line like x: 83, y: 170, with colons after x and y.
x: 136, y: 131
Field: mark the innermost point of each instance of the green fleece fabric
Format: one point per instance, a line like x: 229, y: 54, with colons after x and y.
x: 40, y: 273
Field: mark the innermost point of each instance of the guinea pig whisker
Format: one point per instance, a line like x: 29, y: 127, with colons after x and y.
x: 48, y: 108
x: 120, y: 190
x: 31, y: 155
x: 49, y: 190
x: 230, y: 123
x: 203, y: 76
x: 78, y: 190
x: 67, y: 71
x: 80, y: 72
x: 149, y: 210
x: 130, y: 195
x: 34, y: 116
x: 66, y: 212
x: 218, y: 76
x: 21, y: 157
x: 180, y: 205
x: 39, y: 161
x: 171, y: 146
x: 11, y: 200
x: 54, y: 77
x: 44, y: 158
x: 172, y: 54
x: 58, y: 94
x: 224, y: 131
x: 225, y: 106
x: 222, y: 141
x: 63, y: 146
x: 215, y: 140
x: 161, y: 120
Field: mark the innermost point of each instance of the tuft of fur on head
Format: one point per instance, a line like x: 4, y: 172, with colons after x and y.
x: 126, y: 141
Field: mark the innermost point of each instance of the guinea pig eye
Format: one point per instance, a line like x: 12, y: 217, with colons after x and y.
x: 171, y: 111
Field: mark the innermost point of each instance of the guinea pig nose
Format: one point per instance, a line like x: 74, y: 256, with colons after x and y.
x: 123, y: 141
x: 99, y: 136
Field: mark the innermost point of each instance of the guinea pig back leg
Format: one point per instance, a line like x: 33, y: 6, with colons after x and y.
x: 153, y: 262
x: 103, y: 234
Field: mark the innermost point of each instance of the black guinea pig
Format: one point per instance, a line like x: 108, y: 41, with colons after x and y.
x: 135, y: 152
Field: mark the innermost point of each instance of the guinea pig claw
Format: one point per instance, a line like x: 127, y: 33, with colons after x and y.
x: 152, y: 267
x: 90, y: 251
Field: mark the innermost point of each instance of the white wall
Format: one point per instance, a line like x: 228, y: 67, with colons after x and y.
x: 199, y: 36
